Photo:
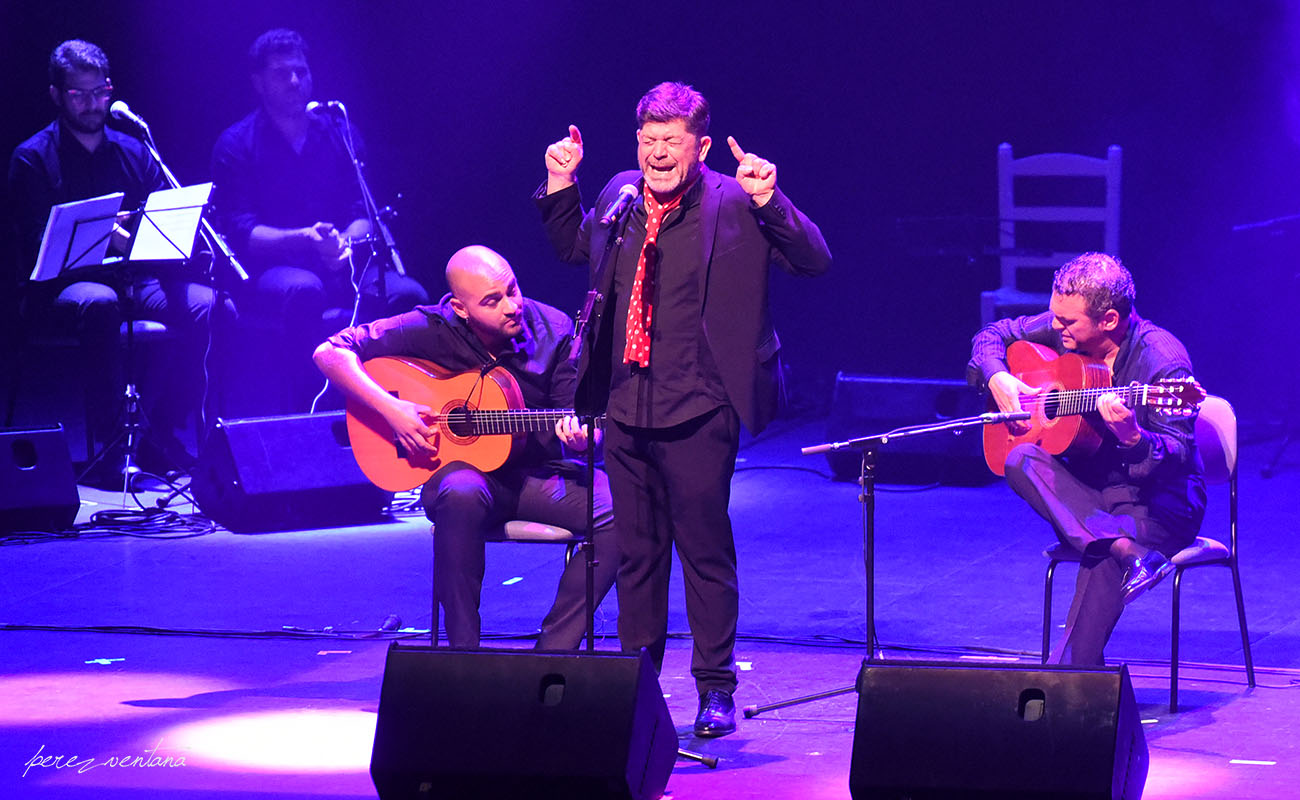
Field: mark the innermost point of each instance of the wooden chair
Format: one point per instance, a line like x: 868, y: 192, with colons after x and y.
x: 1216, y: 440
x: 1022, y: 253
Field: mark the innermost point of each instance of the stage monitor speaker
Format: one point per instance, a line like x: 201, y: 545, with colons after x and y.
x: 281, y: 473
x: 866, y: 405
x: 38, y: 490
x: 503, y: 725
x: 932, y: 731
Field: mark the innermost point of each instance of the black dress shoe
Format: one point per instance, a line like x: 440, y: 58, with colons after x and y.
x: 1143, y: 573
x: 717, y: 715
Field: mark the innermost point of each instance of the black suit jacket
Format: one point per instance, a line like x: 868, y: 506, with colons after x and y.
x: 739, y: 243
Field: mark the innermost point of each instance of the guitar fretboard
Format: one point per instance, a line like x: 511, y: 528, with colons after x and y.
x: 485, y: 422
x: 1081, y: 401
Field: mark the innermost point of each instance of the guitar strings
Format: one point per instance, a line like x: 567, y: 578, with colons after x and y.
x: 1082, y: 400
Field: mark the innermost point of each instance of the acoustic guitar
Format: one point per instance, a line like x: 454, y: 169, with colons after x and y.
x: 478, y: 417
x: 1072, y: 384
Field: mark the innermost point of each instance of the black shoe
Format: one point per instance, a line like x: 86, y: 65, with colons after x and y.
x: 717, y: 715
x: 1143, y: 573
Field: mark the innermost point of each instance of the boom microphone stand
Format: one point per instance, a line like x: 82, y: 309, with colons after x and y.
x: 134, y: 427
x: 869, y: 445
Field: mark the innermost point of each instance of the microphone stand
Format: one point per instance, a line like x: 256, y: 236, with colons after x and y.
x: 375, y: 215
x: 217, y: 245
x: 584, y: 334
x: 869, y: 445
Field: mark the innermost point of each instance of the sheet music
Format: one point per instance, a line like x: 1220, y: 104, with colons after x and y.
x: 169, y: 223
x: 76, y: 235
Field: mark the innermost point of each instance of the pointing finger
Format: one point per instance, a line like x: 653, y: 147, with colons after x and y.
x: 575, y: 134
x: 735, y: 148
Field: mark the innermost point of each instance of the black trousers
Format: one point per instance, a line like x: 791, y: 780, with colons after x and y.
x: 1082, y: 519
x: 671, y: 486
x: 462, y: 502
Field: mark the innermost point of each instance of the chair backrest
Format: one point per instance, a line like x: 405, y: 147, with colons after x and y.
x: 1216, y: 439
x: 1013, y: 210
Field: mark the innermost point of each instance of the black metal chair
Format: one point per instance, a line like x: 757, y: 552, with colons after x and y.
x: 1216, y: 439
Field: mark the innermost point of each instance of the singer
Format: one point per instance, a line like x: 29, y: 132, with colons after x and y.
x: 689, y: 354
x: 77, y: 157
x: 288, y: 202
x: 1141, y: 496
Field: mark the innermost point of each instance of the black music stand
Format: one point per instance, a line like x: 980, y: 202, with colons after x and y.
x: 167, y: 232
x: 869, y: 445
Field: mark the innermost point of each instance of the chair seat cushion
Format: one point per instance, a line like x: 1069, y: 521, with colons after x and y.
x: 1202, y: 551
x: 518, y: 530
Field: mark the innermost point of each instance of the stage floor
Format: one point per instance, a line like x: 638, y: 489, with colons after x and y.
x: 256, y: 658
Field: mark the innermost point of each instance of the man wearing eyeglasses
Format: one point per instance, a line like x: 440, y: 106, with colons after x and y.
x: 73, y: 158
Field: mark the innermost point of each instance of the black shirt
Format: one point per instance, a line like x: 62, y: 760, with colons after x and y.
x: 52, y: 167
x: 260, y: 180
x: 1163, y: 470
x: 682, y: 381
x: 539, y: 360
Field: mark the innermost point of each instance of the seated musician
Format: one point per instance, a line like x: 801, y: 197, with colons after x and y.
x: 288, y: 200
x: 1141, y: 496
x: 74, y: 158
x: 486, y: 320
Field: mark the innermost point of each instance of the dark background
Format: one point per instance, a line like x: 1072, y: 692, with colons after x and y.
x: 880, y: 116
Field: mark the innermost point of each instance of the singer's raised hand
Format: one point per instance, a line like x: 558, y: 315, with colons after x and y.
x: 757, y: 176
x: 562, y: 159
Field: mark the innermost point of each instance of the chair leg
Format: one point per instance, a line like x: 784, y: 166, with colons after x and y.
x: 1047, y: 609
x: 1241, y: 622
x: 433, y: 590
x: 1173, y: 642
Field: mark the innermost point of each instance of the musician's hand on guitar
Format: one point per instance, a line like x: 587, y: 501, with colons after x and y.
x: 1120, y: 419
x: 1007, y: 390
x: 410, y: 428
x: 572, y: 432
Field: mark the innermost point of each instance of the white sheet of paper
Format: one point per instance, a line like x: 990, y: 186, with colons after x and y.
x: 76, y: 235
x: 169, y: 223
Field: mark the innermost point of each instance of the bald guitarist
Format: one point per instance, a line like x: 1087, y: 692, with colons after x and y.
x: 486, y: 321
x: 1136, y: 498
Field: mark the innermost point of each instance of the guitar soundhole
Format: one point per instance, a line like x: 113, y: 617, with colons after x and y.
x: 1051, y: 402
x: 460, y: 422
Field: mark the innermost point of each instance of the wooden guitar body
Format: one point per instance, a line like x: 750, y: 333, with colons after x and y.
x: 388, y: 465
x: 1054, y: 429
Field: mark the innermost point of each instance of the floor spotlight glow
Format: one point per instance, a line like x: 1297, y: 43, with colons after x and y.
x: 299, y: 740
x: 43, y: 699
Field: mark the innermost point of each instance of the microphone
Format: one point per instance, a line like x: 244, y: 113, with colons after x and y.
x: 997, y: 417
x: 120, y: 110
x: 328, y: 107
x: 621, y: 204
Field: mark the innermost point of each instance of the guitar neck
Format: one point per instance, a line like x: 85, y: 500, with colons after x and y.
x: 485, y: 422
x: 1082, y: 401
